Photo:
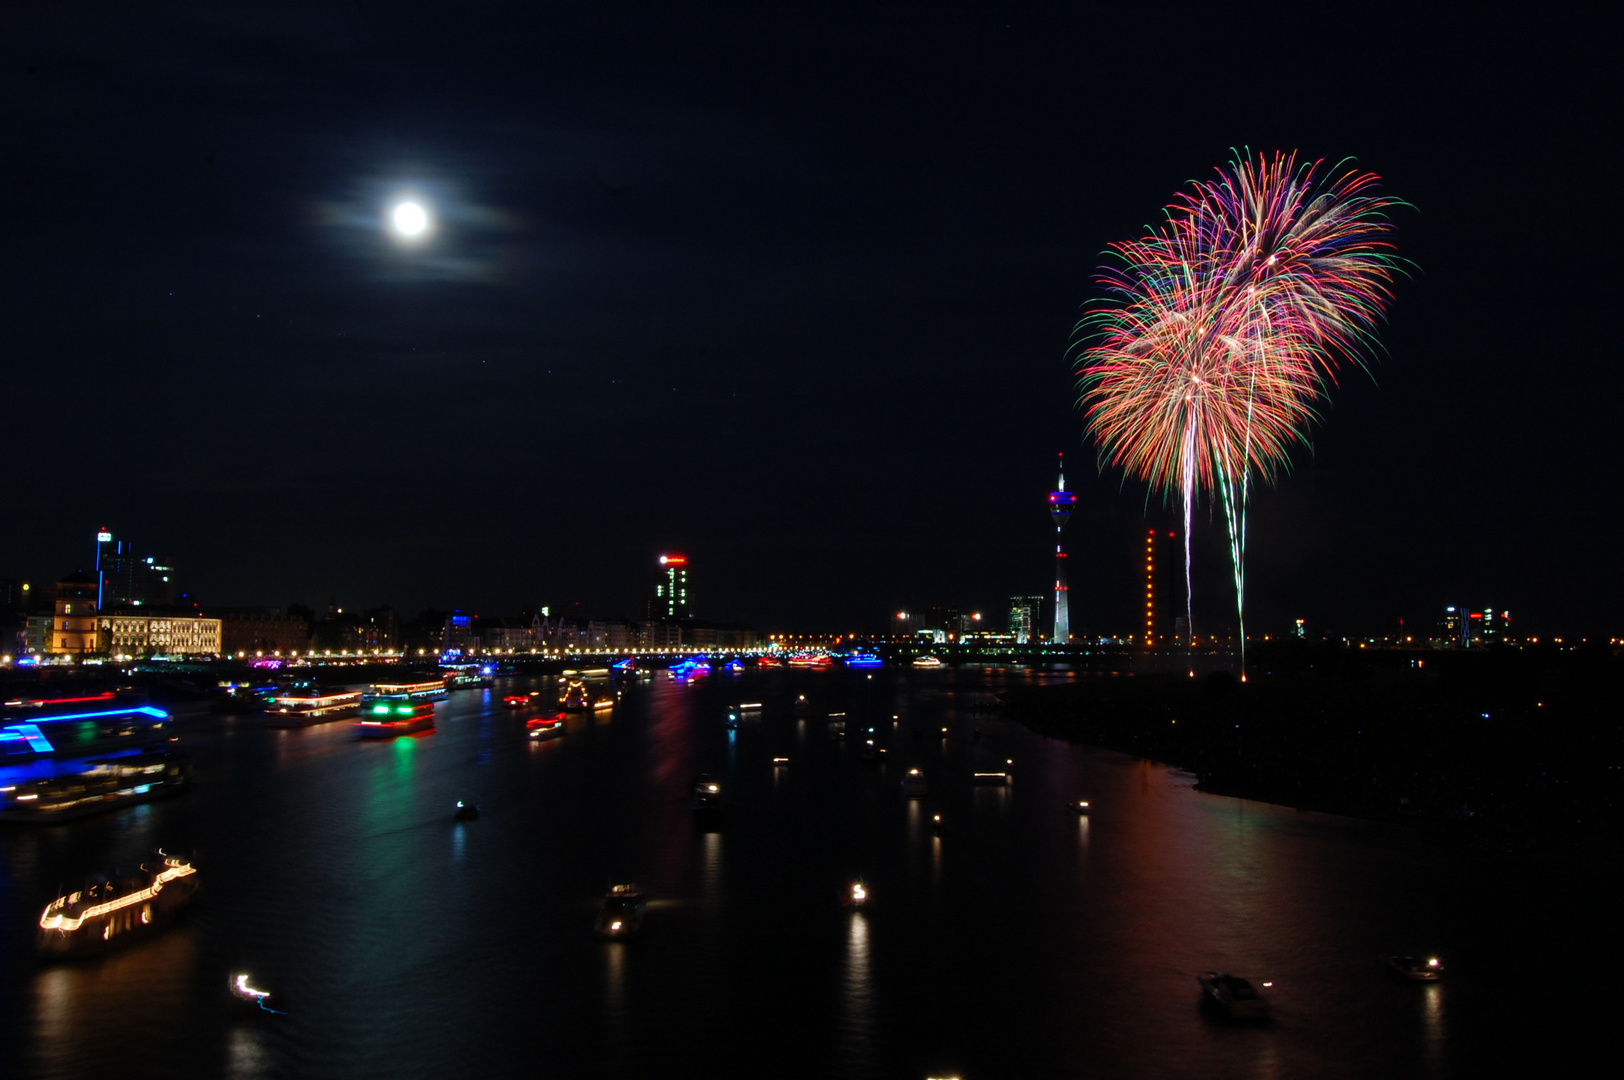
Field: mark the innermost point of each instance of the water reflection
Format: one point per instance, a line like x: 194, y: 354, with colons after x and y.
x: 246, y: 1053
x: 710, y: 869
x: 1436, y: 1030
x: 856, y: 1041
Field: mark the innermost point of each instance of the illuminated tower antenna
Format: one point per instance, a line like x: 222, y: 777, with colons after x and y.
x: 1060, y: 501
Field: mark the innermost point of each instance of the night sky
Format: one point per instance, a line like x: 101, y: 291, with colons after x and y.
x: 792, y: 294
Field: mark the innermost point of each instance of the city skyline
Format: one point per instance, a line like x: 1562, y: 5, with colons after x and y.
x: 787, y: 324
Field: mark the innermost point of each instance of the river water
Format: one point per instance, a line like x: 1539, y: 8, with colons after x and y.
x: 1023, y: 942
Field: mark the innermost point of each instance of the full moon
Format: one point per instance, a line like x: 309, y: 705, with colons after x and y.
x: 410, y: 219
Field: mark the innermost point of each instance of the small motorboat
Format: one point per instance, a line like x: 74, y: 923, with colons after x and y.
x: 1231, y: 996
x: 247, y: 994
x: 914, y: 784
x: 467, y: 811
x: 780, y: 762
x: 1080, y: 807
x: 515, y: 701
x: 732, y: 719
x: 1414, y: 968
x: 545, y: 727
x: 856, y: 895
x: 802, y: 707
x: 707, y: 792
x: 621, y: 913
x: 937, y: 825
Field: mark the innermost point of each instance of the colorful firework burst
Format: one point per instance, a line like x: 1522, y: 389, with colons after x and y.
x: 1223, y: 329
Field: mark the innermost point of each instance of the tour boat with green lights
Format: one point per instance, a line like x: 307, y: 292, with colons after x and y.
x: 115, y: 909
x: 387, y: 719
x: 109, y: 783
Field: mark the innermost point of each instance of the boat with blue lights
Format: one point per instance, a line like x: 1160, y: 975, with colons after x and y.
x: 863, y: 660
x: 116, y: 909
x: 109, y: 784
x: 81, y: 726
x: 387, y: 719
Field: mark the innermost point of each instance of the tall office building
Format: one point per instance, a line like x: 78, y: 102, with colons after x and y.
x: 123, y: 577
x: 671, y: 589
x: 1060, y: 503
x: 1026, y: 619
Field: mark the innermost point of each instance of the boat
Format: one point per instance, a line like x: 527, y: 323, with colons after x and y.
x: 387, y: 719
x: 518, y: 701
x: 914, y: 784
x: 837, y: 721
x: 579, y: 697
x: 1080, y: 807
x: 872, y: 754
x: 856, y: 895
x: 821, y: 660
x: 76, y: 726
x: 749, y: 708
x: 545, y: 727
x: 243, y: 991
x: 468, y: 677
x: 109, y: 783
x: 1414, y: 968
x: 734, y: 666
x: 937, y: 825
x: 994, y: 779
x: 621, y: 913
x: 780, y: 762
x: 420, y: 690
x: 306, y: 708
x: 732, y: 720
x: 768, y: 662
x: 1231, y: 996
x: 112, y: 909
x: 927, y: 662
x: 802, y: 706
x: 707, y: 792
x: 863, y: 660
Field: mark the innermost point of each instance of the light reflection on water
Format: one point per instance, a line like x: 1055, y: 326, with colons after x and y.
x: 325, y: 858
x: 858, y: 1022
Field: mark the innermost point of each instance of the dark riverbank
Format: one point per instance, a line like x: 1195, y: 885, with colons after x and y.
x: 1518, y: 750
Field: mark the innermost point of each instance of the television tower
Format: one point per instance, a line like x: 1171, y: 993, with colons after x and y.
x: 1060, y: 501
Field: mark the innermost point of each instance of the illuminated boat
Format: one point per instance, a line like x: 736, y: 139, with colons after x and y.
x: 856, y: 895
x: 77, y: 725
x: 1232, y: 997
x: 314, y: 707
x: 247, y: 994
x: 468, y: 677
x: 914, y: 784
x: 863, y: 660
x: 109, y: 784
x: 821, y: 660
x: 545, y: 727
x: 387, y: 719
x: 734, y: 666
x: 927, y: 662
x: 466, y: 811
x: 1414, y: 968
x: 580, y: 697
x: 621, y: 914
x: 802, y: 706
x: 768, y: 662
x: 422, y: 690
x: 112, y: 911
x: 707, y: 792
x: 1080, y: 807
